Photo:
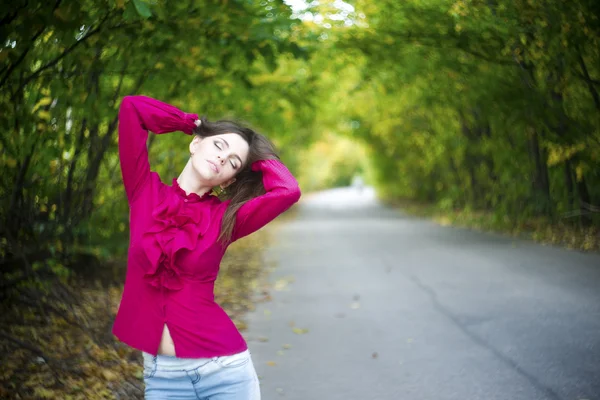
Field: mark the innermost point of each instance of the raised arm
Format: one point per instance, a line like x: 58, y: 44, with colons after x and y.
x: 138, y: 115
x: 282, y: 192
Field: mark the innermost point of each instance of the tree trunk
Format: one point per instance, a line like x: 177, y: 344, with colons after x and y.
x: 584, y: 198
x: 569, y: 185
x: 590, y: 85
x: 541, y: 182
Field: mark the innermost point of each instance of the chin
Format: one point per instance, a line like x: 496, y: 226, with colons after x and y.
x: 204, y: 173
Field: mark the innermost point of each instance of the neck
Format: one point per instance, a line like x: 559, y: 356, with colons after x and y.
x: 189, y: 182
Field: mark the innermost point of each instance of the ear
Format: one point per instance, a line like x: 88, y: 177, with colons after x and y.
x: 225, y: 184
x: 194, y: 143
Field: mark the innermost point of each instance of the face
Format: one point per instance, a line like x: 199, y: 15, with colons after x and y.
x: 217, y: 159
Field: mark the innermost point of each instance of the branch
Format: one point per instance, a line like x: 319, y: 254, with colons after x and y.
x: 590, y: 207
x: 26, y: 51
x: 438, y: 42
x: 486, y: 58
x: 21, y: 57
x: 587, y: 78
x: 60, y: 57
x: 9, y: 17
x: 589, y: 81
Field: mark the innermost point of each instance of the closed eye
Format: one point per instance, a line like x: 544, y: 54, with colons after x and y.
x: 219, y: 146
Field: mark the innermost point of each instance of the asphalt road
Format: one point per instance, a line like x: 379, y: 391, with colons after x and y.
x: 368, y: 303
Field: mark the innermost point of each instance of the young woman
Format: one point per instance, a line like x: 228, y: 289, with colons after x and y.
x: 178, y: 235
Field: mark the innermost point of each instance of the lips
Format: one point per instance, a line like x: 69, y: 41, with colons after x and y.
x: 213, y: 166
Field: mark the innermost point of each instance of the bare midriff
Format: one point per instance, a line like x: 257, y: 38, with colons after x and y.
x: 166, y: 346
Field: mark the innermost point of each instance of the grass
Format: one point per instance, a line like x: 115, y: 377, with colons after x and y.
x: 63, y: 348
x: 541, y: 230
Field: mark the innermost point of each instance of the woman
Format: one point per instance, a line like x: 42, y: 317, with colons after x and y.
x: 178, y: 235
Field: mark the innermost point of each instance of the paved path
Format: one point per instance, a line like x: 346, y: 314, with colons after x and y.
x: 369, y: 304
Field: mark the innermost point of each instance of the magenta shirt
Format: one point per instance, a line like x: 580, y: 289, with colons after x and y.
x: 174, y: 256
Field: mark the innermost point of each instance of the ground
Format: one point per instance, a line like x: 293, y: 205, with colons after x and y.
x: 369, y: 303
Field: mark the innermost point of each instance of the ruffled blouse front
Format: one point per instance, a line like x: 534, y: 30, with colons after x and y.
x: 175, y: 226
x: 174, y: 255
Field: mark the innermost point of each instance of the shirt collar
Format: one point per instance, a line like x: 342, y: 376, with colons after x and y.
x: 190, y: 198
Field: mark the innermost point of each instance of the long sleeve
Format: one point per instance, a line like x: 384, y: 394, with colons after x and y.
x: 138, y: 115
x: 282, y: 191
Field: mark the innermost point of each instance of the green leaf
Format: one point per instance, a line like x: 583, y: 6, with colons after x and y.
x: 142, y: 8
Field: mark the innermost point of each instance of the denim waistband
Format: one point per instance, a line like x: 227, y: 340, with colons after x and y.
x: 176, y: 363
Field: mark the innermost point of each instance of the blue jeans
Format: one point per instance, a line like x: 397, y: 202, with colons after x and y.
x: 217, y: 378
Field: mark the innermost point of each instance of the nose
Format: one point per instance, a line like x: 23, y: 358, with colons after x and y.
x: 221, y: 160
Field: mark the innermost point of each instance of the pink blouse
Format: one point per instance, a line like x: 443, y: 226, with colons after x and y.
x: 174, y: 256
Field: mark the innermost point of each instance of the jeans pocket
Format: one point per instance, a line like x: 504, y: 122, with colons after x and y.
x: 235, y: 360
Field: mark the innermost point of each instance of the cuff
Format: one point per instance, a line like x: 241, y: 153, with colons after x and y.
x: 189, y: 120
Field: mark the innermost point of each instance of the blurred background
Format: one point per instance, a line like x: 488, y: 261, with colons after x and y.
x: 476, y: 113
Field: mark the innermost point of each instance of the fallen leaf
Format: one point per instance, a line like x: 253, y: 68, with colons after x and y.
x: 109, y: 375
x: 375, y: 355
x: 271, y: 363
x: 299, y: 331
x: 287, y: 346
x: 282, y: 284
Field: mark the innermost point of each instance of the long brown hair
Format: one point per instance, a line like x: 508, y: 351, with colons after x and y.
x: 248, y: 184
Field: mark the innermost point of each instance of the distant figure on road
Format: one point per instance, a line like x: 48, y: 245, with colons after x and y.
x: 178, y: 236
x: 357, y: 182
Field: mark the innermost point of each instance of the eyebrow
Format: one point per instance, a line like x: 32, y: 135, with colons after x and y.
x: 235, y: 155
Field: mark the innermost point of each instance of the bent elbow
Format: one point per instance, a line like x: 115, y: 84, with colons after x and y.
x: 126, y: 100
x: 126, y: 103
x: 294, y: 194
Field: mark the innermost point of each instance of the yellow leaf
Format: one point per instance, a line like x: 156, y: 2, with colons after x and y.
x: 109, y: 375
x: 523, y: 38
x: 43, y: 102
x: 579, y: 173
x: 53, y: 165
x: 271, y: 363
x: 299, y: 331
x: 44, y: 115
